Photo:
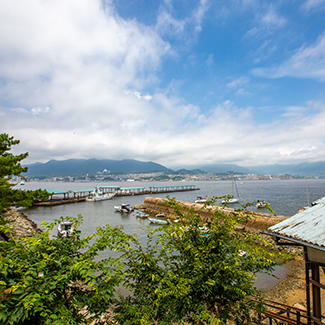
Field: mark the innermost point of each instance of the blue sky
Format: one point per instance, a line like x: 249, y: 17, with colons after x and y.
x: 181, y: 83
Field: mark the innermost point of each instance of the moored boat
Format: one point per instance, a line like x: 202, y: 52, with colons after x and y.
x: 230, y: 200
x: 140, y: 214
x: 200, y: 199
x: 123, y: 208
x: 261, y: 205
x: 159, y: 221
x: 98, y: 194
x: 65, y: 229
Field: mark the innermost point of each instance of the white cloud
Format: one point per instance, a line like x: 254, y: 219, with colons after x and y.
x: 307, y: 62
x: 239, y: 82
x: 266, y: 23
x: 199, y: 14
x: 40, y: 110
x: 168, y: 25
x: 272, y: 20
x: 313, y: 4
x: 210, y: 60
x: 138, y: 95
x: 242, y: 91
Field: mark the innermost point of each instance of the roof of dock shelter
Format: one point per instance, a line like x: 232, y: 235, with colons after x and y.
x: 55, y: 191
x: 132, y: 188
x: 81, y: 191
x: 180, y: 185
x: 106, y: 186
x: 307, y: 226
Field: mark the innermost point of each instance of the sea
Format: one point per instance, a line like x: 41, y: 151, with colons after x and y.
x: 284, y: 196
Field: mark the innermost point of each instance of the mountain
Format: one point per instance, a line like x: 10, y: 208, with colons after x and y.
x: 190, y: 172
x: 222, y: 168
x: 303, y: 169
x: 73, y: 167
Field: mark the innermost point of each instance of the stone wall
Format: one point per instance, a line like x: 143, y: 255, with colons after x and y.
x: 22, y: 225
x: 259, y: 221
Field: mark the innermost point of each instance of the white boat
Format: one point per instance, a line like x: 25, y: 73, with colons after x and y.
x: 261, y: 205
x: 232, y: 199
x: 98, y: 194
x: 65, y: 229
x: 200, y: 199
x: 141, y: 214
x: 123, y: 208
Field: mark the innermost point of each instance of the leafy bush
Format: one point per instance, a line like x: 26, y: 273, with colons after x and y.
x: 194, y: 272
x: 47, y: 280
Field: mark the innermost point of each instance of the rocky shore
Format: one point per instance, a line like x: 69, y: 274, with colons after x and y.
x: 21, y: 224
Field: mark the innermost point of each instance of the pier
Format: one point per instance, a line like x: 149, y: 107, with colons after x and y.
x: 58, y: 196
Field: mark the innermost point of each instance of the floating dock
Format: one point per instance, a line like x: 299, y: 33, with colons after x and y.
x: 58, y: 196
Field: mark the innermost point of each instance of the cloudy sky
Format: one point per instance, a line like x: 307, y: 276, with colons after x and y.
x: 177, y: 82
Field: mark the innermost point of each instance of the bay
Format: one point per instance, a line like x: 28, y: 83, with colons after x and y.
x: 284, y: 196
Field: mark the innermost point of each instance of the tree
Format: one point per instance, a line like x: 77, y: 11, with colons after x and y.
x: 10, y: 166
x: 46, y: 280
x: 195, y: 271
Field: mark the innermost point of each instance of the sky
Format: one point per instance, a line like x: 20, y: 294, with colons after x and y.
x: 178, y: 82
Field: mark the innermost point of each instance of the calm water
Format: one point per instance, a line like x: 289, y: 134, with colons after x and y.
x: 285, y: 197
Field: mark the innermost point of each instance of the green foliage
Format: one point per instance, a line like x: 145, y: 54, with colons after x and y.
x: 47, y: 280
x: 194, y: 271
x: 10, y: 166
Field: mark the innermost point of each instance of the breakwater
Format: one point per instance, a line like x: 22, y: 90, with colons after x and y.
x: 58, y: 196
x: 261, y: 221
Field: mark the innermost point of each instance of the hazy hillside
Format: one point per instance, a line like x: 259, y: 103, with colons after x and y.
x: 222, y: 168
x: 304, y: 169
x: 73, y: 167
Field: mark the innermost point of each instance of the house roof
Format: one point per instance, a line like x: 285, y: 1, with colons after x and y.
x: 307, y: 226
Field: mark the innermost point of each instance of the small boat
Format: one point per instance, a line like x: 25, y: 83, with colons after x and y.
x: 123, y: 208
x: 200, y: 199
x: 98, y: 194
x: 160, y: 215
x: 158, y: 221
x: 230, y: 200
x: 65, y: 229
x: 261, y: 205
x: 140, y: 214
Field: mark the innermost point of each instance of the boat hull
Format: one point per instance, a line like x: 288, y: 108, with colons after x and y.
x: 158, y: 221
x: 125, y: 208
x: 230, y: 201
x: 103, y: 197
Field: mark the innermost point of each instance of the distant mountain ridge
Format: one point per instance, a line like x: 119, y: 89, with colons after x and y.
x: 304, y: 169
x: 73, y: 167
